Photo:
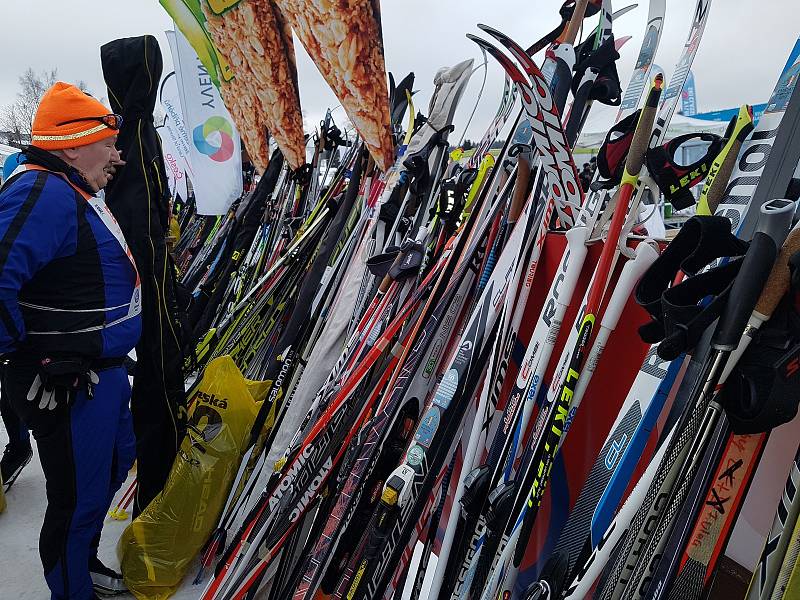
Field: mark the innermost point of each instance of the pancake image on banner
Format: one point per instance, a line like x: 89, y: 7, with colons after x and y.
x: 247, y: 48
x: 345, y: 42
x: 263, y: 98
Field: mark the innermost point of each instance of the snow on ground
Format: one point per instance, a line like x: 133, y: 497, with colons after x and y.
x: 20, y: 569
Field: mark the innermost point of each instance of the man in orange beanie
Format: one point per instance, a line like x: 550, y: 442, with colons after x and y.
x: 70, y: 304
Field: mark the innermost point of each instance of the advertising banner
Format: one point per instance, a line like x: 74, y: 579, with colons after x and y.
x: 215, y: 150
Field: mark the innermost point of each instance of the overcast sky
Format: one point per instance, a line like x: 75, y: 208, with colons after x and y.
x: 743, y: 50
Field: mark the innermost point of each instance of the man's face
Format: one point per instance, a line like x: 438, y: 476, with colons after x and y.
x: 94, y: 161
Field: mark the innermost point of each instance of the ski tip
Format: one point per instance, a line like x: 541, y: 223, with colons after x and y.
x: 482, y: 43
x: 488, y: 29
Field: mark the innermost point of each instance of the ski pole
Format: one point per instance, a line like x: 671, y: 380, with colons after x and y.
x: 539, y: 348
x: 523, y: 397
x: 236, y: 580
x: 746, y: 290
x: 470, y: 453
x: 644, y: 256
x: 120, y: 511
x: 649, y: 391
x: 646, y: 397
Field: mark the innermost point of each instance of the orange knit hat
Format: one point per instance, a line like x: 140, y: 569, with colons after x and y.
x: 67, y: 118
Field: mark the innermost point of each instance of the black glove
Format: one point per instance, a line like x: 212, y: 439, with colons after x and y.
x: 59, y: 379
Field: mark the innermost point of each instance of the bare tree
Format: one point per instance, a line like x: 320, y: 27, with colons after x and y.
x: 17, y: 117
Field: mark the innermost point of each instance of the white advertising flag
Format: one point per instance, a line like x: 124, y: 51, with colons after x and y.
x: 176, y: 172
x: 215, y: 148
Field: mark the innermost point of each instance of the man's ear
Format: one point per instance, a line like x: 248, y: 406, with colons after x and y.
x: 70, y: 153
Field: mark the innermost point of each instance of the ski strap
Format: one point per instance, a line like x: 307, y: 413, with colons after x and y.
x: 675, y: 180
x: 681, y: 313
x: 614, y: 151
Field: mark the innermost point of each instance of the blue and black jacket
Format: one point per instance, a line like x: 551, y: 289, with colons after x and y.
x: 68, y: 285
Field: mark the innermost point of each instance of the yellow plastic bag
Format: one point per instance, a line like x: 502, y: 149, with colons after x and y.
x: 159, y: 545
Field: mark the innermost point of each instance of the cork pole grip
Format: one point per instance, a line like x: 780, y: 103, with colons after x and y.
x: 641, y: 137
x: 520, y: 187
x: 717, y: 187
x: 571, y: 32
x: 778, y: 281
x: 720, y: 183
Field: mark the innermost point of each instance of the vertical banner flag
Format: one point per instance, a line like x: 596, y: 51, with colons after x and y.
x: 215, y: 151
x: 179, y: 142
x: 176, y: 174
x: 689, y: 97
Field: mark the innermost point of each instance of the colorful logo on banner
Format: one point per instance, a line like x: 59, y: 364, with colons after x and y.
x: 214, y: 138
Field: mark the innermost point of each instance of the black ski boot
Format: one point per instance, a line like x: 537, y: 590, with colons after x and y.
x: 106, y: 582
x: 15, y: 457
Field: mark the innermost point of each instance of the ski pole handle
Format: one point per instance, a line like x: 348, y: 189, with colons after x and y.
x: 720, y: 172
x: 641, y: 137
x: 778, y: 280
x: 749, y: 283
x: 571, y: 32
x: 776, y: 219
x: 625, y: 192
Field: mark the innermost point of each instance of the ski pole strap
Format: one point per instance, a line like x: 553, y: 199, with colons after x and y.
x: 391, y: 208
x: 379, y: 264
x: 614, y: 151
x: 675, y: 180
x: 677, y: 317
x: 763, y: 390
x: 602, y: 60
x: 302, y: 174
x: 453, y: 197
x: 411, y: 253
x: 399, y: 263
x: 684, y: 317
x: 333, y: 138
x: 417, y: 163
